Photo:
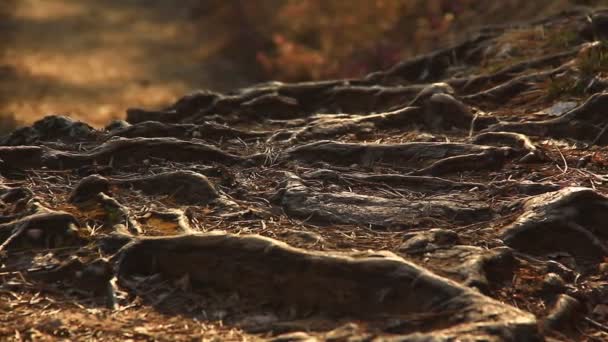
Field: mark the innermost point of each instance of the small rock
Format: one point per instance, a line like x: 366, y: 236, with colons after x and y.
x: 342, y: 333
x: 553, y: 266
x: 417, y: 243
x: 303, y: 236
x: 553, y: 283
x: 444, y: 236
x: 428, y: 240
x: 116, y: 125
x: 427, y: 137
x: 559, y: 108
x: 88, y: 188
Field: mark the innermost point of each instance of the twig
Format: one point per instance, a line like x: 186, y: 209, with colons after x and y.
x: 599, y: 136
x: 16, y: 232
x: 598, y: 325
x: 111, y: 300
x: 597, y: 177
x: 563, y: 159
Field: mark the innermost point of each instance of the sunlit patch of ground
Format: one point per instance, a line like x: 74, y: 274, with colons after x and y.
x: 93, y: 59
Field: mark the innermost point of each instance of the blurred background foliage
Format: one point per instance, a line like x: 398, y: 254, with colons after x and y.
x: 296, y: 40
x: 92, y: 59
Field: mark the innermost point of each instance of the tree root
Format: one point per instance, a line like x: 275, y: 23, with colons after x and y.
x: 487, y: 160
x: 115, y: 152
x: 511, y: 88
x: 268, y: 271
x: 570, y: 220
x: 185, y: 187
x: 468, y: 85
x: 42, y: 229
x: 421, y: 184
x: 93, y: 276
x: 564, y: 314
x: 406, y: 155
x: 299, y: 201
x: 472, y: 266
x: 519, y: 142
x: 433, y: 108
x: 584, y: 122
x: 170, y: 222
x: 207, y: 131
x: 431, y: 67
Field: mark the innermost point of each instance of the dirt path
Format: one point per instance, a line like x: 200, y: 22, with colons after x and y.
x: 93, y: 59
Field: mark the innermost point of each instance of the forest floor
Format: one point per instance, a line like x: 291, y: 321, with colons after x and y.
x: 459, y: 195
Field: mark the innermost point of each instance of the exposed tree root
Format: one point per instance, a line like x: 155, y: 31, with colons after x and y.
x: 116, y: 152
x: 207, y: 131
x: 185, y: 187
x: 405, y: 155
x: 570, y: 220
x: 584, y: 122
x: 487, y: 160
x: 512, y: 87
x: 428, y: 241
x: 299, y: 201
x: 91, y: 276
x: 43, y: 229
x: 468, y: 85
x: 472, y: 266
x: 438, y: 111
x: 12, y: 195
x: 290, y: 101
x: 432, y: 67
x: 267, y: 271
x: 50, y: 128
x: 518, y: 142
x: 89, y: 197
x: 564, y: 314
x: 415, y: 183
x: 525, y: 187
x: 171, y: 222
x: 368, y: 99
x: 138, y: 149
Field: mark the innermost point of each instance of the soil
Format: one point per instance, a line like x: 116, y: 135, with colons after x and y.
x: 459, y: 195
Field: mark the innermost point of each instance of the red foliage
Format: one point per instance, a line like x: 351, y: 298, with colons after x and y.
x: 314, y: 39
